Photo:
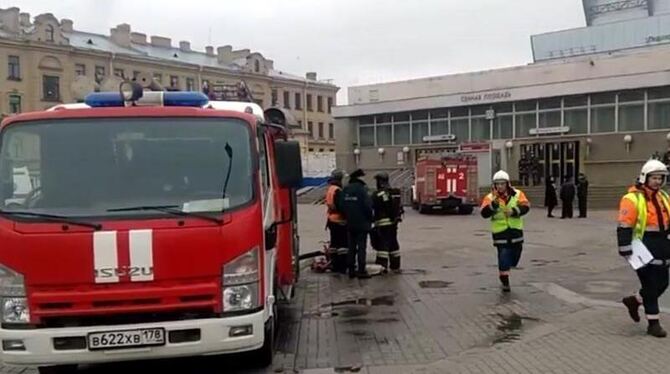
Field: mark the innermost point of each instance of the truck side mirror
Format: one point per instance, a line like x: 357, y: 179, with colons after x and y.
x: 288, y: 163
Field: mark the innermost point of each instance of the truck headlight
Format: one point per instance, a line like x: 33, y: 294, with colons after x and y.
x: 241, y: 282
x: 13, y: 296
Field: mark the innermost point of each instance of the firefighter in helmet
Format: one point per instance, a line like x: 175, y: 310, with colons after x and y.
x: 644, y: 216
x: 505, y: 206
x: 387, y: 214
x: 336, y: 223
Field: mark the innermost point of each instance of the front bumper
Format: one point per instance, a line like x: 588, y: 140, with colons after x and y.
x: 214, y: 339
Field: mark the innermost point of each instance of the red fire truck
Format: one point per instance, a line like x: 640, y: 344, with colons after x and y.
x: 447, y: 183
x: 161, y: 225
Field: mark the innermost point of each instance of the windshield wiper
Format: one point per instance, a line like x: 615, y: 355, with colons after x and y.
x: 171, y: 209
x: 52, y: 217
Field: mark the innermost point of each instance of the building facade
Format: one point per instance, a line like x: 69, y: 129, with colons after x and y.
x: 601, y: 110
x: 49, y: 62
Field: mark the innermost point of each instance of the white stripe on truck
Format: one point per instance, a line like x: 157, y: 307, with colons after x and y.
x: 105, y: 256
x: 141, y: 255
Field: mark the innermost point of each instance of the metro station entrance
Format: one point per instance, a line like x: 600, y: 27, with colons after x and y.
x: 538, y: 161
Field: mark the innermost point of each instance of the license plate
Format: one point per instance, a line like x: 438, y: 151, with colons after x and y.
x: 126, y: 339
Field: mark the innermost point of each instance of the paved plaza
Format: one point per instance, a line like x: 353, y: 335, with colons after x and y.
x: 445, y: 313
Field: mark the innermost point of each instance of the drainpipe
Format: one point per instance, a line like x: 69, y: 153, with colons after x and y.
x: 200, y: 69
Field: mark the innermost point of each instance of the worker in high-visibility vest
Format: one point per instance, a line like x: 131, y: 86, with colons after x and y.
x: 505, y: 206
x: 336, y: 224
x: 388, y: 212
x: 644, y: 216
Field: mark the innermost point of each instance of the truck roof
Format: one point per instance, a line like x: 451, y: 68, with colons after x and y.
x: 81, y: 110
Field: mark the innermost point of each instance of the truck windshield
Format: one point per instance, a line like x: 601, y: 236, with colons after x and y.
x: 93, y: 167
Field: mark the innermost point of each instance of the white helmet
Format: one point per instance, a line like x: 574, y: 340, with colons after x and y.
x: 652, y: 167
x: 501, y: 176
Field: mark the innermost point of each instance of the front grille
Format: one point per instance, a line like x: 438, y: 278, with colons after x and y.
x: 124, y: 319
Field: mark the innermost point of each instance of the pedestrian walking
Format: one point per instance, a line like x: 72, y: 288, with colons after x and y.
x: 505, y: 206
x: 336, y: 224
x: 567, y: 198
x: 358, y: 213
x: 550, y: 200
x: 644, y: 215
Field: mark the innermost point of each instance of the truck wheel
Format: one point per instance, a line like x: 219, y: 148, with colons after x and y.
x: 59, y: 369
x: 423, y: 209
x: 263, y: 356
x: 465, y: 210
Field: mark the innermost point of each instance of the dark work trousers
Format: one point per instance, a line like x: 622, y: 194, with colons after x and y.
x: 339, y: 246
x: 567, y: 209
x: 550, y: 210
x: 387, y: 246
x: 508, y: 256
x: 654, y: 280
x: 581, y: 202
x: 357, y: 246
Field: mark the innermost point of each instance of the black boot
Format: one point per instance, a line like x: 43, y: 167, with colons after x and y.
x: 633, y: 305
x: 504, y: 280
x: 655, y: 329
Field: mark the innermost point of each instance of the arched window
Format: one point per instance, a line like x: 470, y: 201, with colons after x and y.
x: 50, y: 33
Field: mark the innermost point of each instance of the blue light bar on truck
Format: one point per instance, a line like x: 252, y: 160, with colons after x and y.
x: 114, y: 99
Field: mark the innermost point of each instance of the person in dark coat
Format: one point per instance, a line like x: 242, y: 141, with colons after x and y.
x: 358, y: 213
x: 550, y: 200
x: 567, y: 198
x: 582, y: 194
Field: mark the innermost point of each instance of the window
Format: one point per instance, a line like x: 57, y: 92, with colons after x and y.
x: 120, y: 73
x: 602, y: 119
x: 263, y: 161
x: 398, y: 117
x: 330, y: 105
x: 320, y: 130
x: 298, y: 101
x: 525, y: 106
x: 366, y: 136
x: 576, y: 120
x: 550, y: 103
x: 481, y: 129
x: 631, y: 95
x: 659, y: 115
x: 190, y: 84
x: 384, y: 135
x: 401, y: 133
x: 14, y: 68
x: 331, y: 131
x: 319, y: 104
x: 299, y: 123
x: 257, y: 66
x: 158, y: 77
x: 50, y: 33
x: 550, y: 119
x: 99, y: 74
x: 287, y: 104
x: 50, y: 88
x: 79, y: 70
x: 524, y: 123
x: 274, y: 97
x: 320, y: 149
x: 502, y: 127
x: 174, y: 81
x: 631, y: 117
x: 309, y: 103
x: 658, y: 93
x: 459, y: 128
x: 439, y: 126
x: 419, y: 130
x: 420, y: 116
x: 111, y: 163
x: 572, y: 101
x: 602, y: 98
x: 310, y: 128
x: 14, y: 104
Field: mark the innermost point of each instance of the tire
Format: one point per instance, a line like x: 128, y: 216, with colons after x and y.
x: 424, y: 209
x: 466, y: 210
x: 58, y: 369
x: 263, y: 356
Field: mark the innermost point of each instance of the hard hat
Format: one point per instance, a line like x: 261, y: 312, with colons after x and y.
x: 383, y: 176
x: 652, y: 167
x: 501, y: 176
x: 336, y: 175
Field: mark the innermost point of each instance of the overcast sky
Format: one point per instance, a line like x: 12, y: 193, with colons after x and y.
x: 353, y: 42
